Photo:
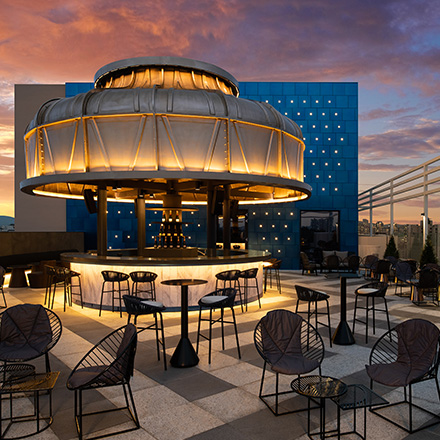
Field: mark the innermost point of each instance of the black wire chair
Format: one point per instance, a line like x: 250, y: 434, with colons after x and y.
x: 136, y: 306
x: 291, y: 346
x: 382, y: 270
x: 57, y: 276
x: 307, y: 265
x: 426, y: 287
x: 403, y: 276
x: 370, y: 291
x: 369, y: 264
x: 218, y: 299
x: 406, y: 355
x: 28, y: 331
x: 311, y: 296
x: 109, y: 363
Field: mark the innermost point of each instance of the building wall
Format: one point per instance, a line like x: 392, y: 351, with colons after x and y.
x: 33, y: 213
x: 327, y: 114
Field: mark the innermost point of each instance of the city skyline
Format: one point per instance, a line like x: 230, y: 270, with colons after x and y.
x: 390, y: 48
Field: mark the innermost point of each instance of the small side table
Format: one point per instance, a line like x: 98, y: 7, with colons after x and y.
x: 357, y: 396
x: 18, y: 277
x: 322, y: 388
x: 36, y: 384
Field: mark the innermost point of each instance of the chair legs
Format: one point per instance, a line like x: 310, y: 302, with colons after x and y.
x: 211, y: 322
x: 275, y: 407
x: 367, y: 309
x: 79, y: 293
x: 113, y: 290
x: 268, y: 271
x: 245, y: 291
x: 129, y: 406
x: 315, y: 312
x: 157, y: 328
x: 408, y: 401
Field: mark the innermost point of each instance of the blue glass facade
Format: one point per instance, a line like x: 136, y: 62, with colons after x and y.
x: 327, y: 114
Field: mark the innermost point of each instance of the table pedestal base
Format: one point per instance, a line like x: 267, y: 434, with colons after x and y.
x: 343, y: 335
x: 184, y: 355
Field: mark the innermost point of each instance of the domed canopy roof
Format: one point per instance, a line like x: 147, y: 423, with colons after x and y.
x: 156, y: 123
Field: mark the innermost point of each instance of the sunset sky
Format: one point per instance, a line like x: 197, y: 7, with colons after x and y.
x: 390, y: 47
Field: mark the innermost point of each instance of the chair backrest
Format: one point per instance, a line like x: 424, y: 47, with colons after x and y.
x: 353, y: 262
x: 413, y: 264
x: 383, y: 267
x: 370, y: 261
x: 428, y: 279
x: 304, y: 259
x: 228, y: 275
x: 403, y: 271
x: 306, y: 294
x: 29, y: 329
x: 412, y: 347
x: 143, y: 277
x: 249, y: 273
x: 418, y: 341
x: 126, y: 352
x: 110, y: 275
x: 284, y: 333
x: 111, y: 359
x: 332, y: 262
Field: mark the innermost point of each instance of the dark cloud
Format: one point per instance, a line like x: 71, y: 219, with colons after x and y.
x: 379, y: 167
x: 416, y: 141
x: 61, y: 15
x: 379, y: 113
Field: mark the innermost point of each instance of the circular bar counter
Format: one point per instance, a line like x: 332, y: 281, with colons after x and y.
x: 202, y: 267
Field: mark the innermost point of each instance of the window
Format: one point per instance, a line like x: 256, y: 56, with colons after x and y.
x: 319, y: 231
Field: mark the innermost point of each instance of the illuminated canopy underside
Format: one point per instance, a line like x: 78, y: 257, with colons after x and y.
x: 164, y: 138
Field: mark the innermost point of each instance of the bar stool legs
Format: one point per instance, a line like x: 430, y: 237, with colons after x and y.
x: 113, y: 277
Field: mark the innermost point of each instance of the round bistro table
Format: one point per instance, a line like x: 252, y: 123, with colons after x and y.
x: 322, y: 388
x: 184, y: 355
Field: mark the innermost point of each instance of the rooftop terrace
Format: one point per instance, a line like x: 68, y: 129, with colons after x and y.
x: 220, y: 400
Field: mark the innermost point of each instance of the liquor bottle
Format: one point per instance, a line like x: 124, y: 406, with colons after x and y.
x: 155, y: 242
x: 184, y: 242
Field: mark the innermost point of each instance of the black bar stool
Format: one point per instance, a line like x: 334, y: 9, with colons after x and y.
x: 143, y: 282
x: 137, y: 306
x: 275, y: 267
x: 314, y: 296
x: 75, y: 276
x: 371, y: 290
x: 57, y: 276
x: 248, y: 275
x: 229, y: 278
x: 217, y: 300
x: 113, y: 278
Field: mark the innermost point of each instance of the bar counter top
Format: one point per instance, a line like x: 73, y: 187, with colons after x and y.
x: 127, y: 257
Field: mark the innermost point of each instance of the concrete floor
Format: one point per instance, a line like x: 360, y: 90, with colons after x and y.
x: 219, y: 401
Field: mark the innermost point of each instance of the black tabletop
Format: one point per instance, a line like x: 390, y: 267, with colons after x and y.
x: 183, y: 282
x: 318, y: 386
